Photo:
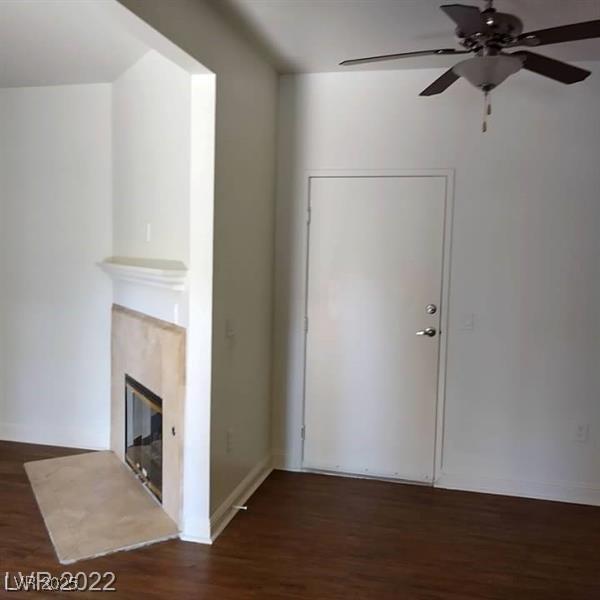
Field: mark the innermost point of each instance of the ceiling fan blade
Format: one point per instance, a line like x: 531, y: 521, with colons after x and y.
x: 370, y: 59
x: 554, y: 69
x: 441, y: 84
x: 556, y: 35
x: 467, y: 18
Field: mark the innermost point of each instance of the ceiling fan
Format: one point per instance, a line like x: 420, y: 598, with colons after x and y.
x: 488, y: 34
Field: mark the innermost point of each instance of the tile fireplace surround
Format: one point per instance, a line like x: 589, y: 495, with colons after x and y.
x: 153, y: 353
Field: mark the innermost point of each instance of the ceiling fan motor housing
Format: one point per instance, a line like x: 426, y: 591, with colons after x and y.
x: 497, y: 30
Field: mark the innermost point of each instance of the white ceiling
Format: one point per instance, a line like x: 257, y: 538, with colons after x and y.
x: 315, y: 35
x: 53, y: 42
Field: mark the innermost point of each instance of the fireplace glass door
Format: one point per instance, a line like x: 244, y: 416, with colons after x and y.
x: 143, y: 434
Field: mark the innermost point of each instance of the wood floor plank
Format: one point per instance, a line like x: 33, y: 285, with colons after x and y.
x: 309, y: 536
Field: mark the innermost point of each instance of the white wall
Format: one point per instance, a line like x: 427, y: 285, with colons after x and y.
x: 243, y: 229
x: 524, y: 262
x: 151, y: 158
x: 163, y: 165
x: 151, y: 108
x: 56, y: 205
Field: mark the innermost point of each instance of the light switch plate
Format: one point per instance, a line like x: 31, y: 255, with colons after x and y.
x: 467, y: 322
x: 581, y: 432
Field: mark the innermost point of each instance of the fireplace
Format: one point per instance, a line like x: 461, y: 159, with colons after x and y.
x: 148, y: 392
x: 143, y: 434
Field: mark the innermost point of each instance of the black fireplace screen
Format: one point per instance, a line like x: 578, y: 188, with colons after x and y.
x: 143, y: 434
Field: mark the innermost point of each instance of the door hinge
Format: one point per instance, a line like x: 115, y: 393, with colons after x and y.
x: 309, y: 217
x: 303, y: 432
x: 306, y: 324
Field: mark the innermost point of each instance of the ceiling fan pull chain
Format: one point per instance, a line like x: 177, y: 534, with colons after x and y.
x: 486, y: 111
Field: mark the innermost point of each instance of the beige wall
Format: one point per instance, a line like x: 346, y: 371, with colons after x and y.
x: 243, y: 233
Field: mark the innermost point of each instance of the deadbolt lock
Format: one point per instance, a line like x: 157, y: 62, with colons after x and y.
x: 431, y: 309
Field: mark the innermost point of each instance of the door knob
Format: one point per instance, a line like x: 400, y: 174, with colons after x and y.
x: 429, y: 332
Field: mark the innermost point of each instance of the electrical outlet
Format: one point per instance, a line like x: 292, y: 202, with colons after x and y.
x: 229, y: 441
x: 148, y: 232
x: 581, y: 432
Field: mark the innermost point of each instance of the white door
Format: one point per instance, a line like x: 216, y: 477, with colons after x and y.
x: 375, y: 264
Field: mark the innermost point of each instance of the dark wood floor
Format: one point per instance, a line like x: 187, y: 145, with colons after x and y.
x: 312, y: 536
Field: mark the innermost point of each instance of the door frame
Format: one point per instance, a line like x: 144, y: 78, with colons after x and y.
x: 448, y: 175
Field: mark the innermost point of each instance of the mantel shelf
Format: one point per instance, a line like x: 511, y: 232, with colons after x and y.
x: 166, y: 274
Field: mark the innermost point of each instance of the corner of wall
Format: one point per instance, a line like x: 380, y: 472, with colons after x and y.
x: 239, y: 496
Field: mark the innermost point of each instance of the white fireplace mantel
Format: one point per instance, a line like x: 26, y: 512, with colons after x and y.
x: 165, y: 274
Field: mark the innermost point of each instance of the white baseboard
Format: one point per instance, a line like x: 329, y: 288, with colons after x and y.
x: 196, y: 539
x: 51, y: 436
x: 195, y: 528
x: 573, y: 492
x: 576, y: 493
x: 225, y: 513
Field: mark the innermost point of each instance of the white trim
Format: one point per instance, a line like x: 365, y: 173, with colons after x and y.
x: 195, y: 539
x: 240, y: 495
x: 560, y: 491
x: 169, y: 275
x: 199, y: 357
x: 444, y: 326
x: 358, y: 475
x: 356, y: 472
x: 571, y: 492
x: 51, y: 436
x: 448, y: 174
x: 196, y: 530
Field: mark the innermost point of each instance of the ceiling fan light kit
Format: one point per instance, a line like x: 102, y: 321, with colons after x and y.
x: 487, y: 72
x: 488, y: 34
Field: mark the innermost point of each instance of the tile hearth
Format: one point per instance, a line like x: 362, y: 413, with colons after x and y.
x: 94, y: 505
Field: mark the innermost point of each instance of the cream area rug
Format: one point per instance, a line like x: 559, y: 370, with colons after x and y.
x: 93, y: 505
